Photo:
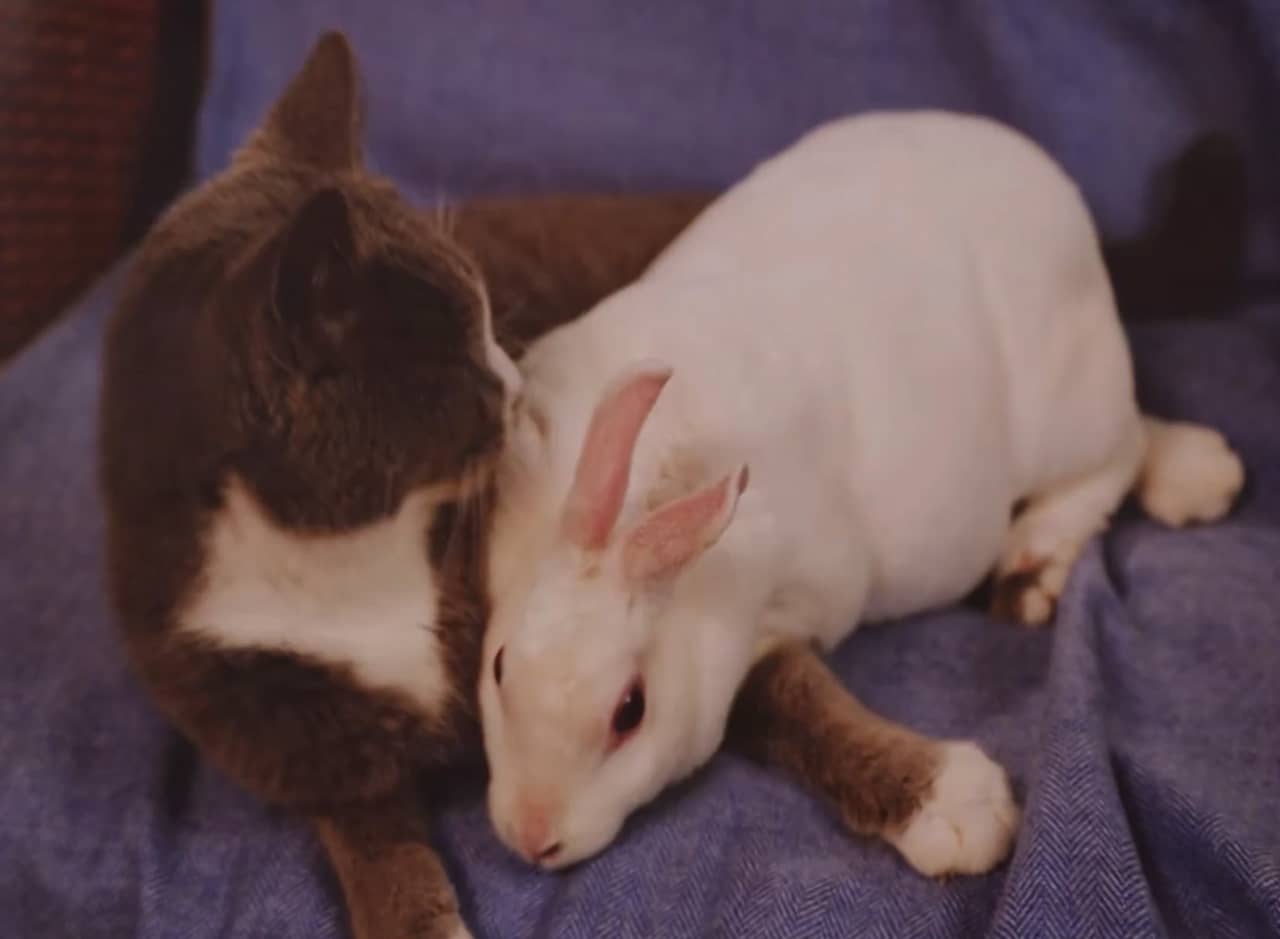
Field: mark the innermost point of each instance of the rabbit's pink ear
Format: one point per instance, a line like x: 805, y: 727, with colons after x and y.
x: 604, y: 464
x: 673, y: 535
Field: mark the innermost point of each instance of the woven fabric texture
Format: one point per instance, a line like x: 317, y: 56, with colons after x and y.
x: 75, y: 88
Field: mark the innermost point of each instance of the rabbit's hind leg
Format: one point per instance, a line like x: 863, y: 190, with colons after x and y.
x: 1047, y: 536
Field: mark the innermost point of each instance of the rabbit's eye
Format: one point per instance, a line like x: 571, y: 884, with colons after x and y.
x: 630, y: 711
x: 497, y: 666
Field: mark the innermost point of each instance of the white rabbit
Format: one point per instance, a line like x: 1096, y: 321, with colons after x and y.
x: 903, y: 326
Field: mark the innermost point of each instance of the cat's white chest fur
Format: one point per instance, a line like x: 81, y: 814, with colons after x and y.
x: 366, y: 600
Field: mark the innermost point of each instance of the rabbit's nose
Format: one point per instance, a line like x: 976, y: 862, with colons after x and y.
x: 536, y: 842
x: 549, y: 852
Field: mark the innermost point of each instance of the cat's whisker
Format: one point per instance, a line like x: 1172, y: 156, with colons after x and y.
x: 462, y: 526
x: 477, y: 510
x: 444, y: 215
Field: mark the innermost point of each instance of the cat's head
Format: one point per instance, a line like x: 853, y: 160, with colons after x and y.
x: 374, y: 367
x: 359, y: 354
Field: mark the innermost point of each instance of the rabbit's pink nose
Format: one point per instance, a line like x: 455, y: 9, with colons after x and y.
x: 535, y: 837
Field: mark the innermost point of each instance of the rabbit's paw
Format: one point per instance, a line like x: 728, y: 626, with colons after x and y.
x: 967, y: 822
x: 1028, y: 594
x: 1191, y: 474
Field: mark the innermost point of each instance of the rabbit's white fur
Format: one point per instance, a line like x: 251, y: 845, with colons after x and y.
x: 903, y: 326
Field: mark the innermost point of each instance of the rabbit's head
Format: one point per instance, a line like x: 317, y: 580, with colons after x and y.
x: 587, y: 710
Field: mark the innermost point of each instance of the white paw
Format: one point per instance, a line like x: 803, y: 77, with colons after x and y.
x: 1029, y: 593
x: 1191, y: 474
x: 1034, y: 605
x: 461, y: 933
x: 968, y: 823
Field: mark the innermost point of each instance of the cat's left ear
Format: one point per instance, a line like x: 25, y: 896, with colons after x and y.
x: 317, y: 120
x: 313, y: 293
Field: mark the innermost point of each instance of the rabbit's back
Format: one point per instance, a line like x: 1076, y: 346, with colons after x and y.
x: 902, y: 322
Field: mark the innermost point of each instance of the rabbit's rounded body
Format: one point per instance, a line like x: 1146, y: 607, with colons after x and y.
x: 903, y: 326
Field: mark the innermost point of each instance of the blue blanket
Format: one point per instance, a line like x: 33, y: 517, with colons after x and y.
x: 1140, y: 730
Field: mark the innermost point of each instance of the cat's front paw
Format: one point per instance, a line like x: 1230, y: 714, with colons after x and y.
x: 968, y: 821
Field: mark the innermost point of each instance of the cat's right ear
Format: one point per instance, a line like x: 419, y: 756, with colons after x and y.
x: 318, y: 119
x: 313, y: 292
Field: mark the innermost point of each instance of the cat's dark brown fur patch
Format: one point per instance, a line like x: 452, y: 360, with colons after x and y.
x: 323, y: 130
x: 394, y: 884
x: 793, y: 715
x: 547, y: 260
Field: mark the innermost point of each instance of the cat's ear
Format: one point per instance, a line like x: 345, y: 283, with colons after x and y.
x: 318, y: 119
x: 313, y: 292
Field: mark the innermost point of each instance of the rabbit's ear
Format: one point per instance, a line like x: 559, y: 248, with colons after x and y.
x: 604, y: 464
x: 678, y: 532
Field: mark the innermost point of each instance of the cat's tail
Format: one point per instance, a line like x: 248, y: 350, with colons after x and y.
x: 1190, y: 261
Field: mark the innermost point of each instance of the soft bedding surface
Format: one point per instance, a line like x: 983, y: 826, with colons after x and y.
x: 1141, y: 730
